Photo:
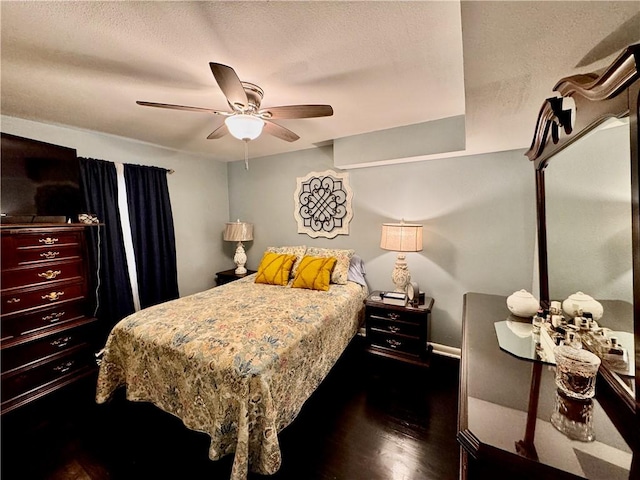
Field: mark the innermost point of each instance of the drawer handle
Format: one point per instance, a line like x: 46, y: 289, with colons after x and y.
x: 393, y: 329
x: 49, y: 255
x: 13, y: 300
x: 50, y: 274
x: 48, y: 240
x: 64, y: 367
x: 53, y: 296
x: 54, y: 317
x: 61, y: 342
x: 393, y: 343
x: 393, y: 316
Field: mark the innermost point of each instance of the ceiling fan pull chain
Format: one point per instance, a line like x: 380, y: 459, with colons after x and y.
x: 246, y: 154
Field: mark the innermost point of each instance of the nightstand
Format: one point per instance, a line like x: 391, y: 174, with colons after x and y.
x: 398, y: 332
x: 230, y: 276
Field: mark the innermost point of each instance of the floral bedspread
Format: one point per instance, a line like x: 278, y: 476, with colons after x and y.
x: 236, y: 362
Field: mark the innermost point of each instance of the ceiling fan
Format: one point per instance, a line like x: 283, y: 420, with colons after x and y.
x: 246, y: 120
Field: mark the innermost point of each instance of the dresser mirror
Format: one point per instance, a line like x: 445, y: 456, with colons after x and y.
x: 588, y: 219
x: 585, y: 152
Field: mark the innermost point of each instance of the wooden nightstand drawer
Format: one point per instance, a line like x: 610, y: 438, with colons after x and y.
x: 403, y: 314
x: 397, y: 343
x: 401, y: 327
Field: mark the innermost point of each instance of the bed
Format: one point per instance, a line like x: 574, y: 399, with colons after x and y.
x: 236, y: 362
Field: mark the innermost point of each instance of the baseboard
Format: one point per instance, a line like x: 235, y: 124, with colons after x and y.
x: 445, y: 350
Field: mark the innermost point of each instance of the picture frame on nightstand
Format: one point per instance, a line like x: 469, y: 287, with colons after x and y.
x: 413, y: 293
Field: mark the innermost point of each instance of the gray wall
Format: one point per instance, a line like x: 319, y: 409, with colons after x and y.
x: 198, y: 191
x: 478, y: 214
x: 395, y: 145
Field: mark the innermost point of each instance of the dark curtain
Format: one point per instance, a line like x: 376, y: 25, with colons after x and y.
x: 153, y: 234
x: 98, y: 183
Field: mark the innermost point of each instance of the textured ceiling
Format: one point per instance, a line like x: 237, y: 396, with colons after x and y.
x: 379, y: 64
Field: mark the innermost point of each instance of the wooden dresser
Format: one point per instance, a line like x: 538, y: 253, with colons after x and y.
x: 47, y: 328
x: 506, y: 405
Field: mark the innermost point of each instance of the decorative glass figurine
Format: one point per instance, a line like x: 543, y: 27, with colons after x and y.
x: 576, y: 371
x: 574, y: 418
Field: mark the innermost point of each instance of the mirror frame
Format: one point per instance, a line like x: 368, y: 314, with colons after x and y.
x: 584, y: 102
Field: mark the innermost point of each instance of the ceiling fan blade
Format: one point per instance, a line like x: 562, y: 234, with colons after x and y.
x: 230, y: 85
x: 297, y: 111
x: 279, y: 131
x: 180, y: 107
x: 219, y: 132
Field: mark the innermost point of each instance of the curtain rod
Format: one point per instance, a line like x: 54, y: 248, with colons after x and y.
x: 168, y: 170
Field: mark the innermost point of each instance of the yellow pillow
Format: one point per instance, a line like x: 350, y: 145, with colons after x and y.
x: 298, y: 251
x: 340, y: 273
x: 314, y: 273
x: 274, y: 268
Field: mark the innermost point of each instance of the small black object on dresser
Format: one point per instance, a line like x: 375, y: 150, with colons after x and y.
x: 398, y: 332
x: 230, y: 276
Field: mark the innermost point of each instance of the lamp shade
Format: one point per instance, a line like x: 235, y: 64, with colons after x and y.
x: 238, y: 231
x: 244, y: 127
x: 401, y: 237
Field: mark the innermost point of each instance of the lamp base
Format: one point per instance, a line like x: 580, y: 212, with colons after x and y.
x: 400, y: 275
x: 240, y: 258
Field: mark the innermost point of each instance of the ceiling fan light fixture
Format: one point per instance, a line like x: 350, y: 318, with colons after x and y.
x: 244, y: 127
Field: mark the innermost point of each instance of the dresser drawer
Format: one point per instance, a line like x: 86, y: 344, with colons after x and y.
x: 40, y: 347
x: 50, y: 238
x: 51, y: 272
x: 28, y: 248
x: 44, y: 318
x: 40, y: 374
x: 396, y: 343
x: 403, y: 315
x: 42, y: 296
x: 29, y: 256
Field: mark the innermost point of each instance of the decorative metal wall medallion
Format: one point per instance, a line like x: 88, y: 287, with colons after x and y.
x: 323, y: 204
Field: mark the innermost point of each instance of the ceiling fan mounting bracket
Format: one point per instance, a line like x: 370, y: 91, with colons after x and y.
x: 255, y: 94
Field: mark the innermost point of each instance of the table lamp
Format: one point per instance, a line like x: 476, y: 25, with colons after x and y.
x: 239, y: 232
x: 401, y: 237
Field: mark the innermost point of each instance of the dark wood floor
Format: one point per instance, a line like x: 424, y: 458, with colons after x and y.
x: 370, y: 419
